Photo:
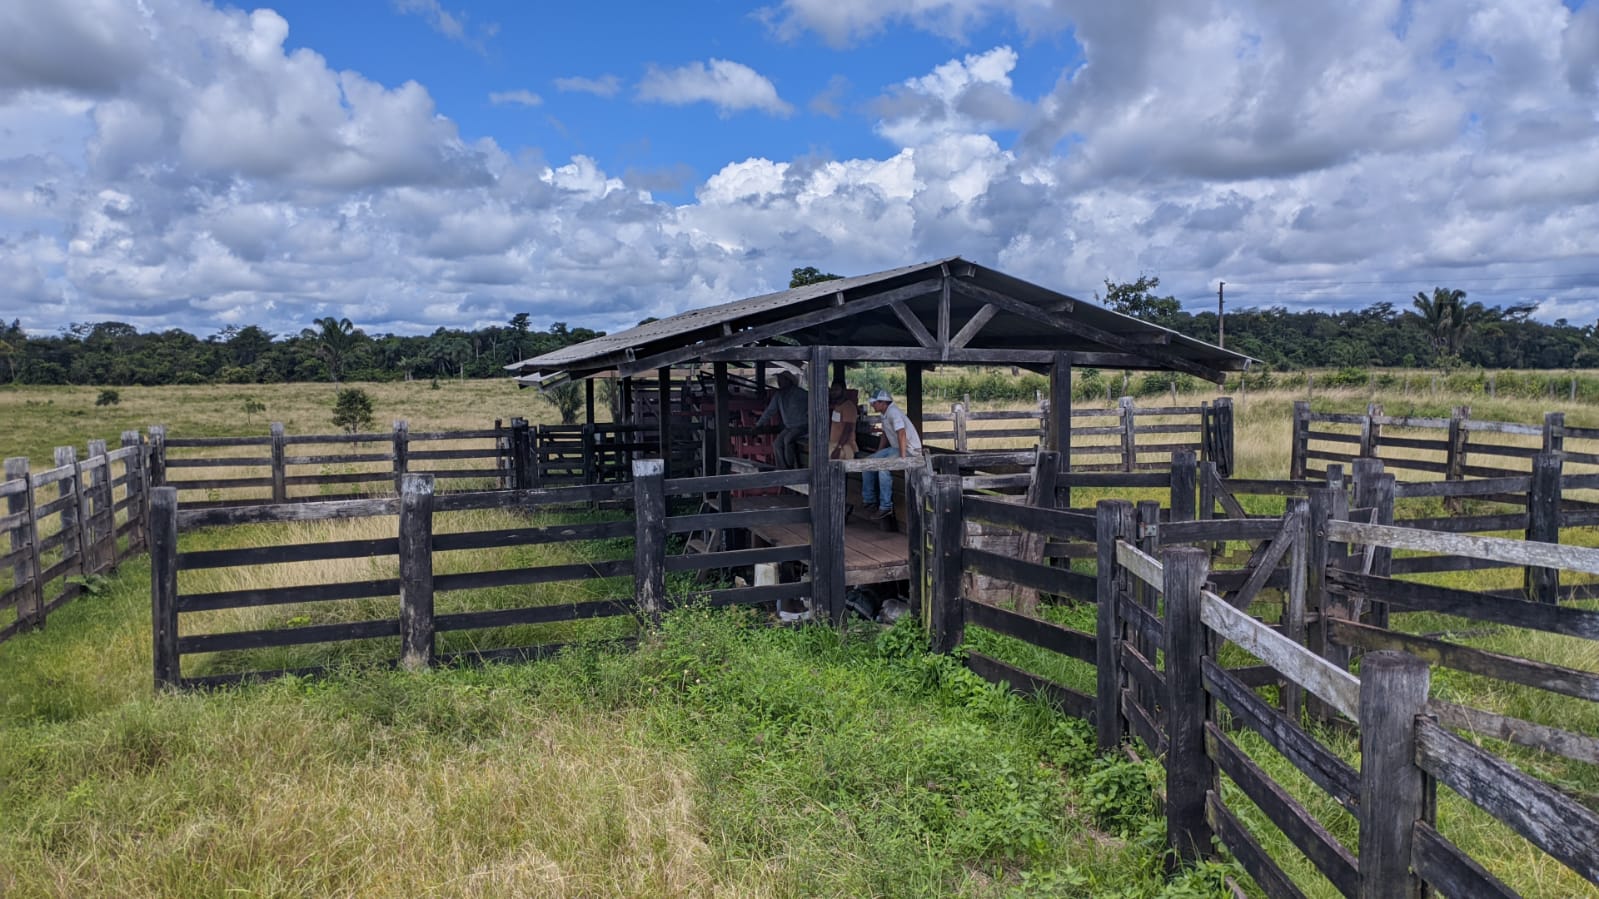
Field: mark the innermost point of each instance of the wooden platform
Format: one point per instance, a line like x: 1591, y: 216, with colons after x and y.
x: 871, y: 555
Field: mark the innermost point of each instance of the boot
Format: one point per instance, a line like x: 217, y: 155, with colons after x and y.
x: 887, y: 524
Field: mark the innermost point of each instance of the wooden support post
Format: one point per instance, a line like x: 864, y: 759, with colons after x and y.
x: 663, y: 417
x: 723, y: 434
x: 280, y: 488
x: 1129, y: 435
x: 918, y: 492
x: 1298, y: 514
x: 958, y: 412
x: 25, y: 540
x: 1207, y: 491
x: 827, y: 584
x: 523, y: 462
x: 913, y: 394
x: 591, y: 456
x: 164, y: 586
x: 827, y: 545
x: 158, y: 456
x: 1300, y: 441
x: 416, y: 571
x: 135, y: 489
x: 947, y: 618
x: 1189, y: 771
x: 401, y: 452
x: 100, y: 519
x: 1317, y: 600
x: 588, y: 401
x: 629, y: 413
x: 1393, y: 789
x: 502, y: 459
x: 1458, y: 435
x: 649, y: 551
x: 1554, y: 432
x: 1370, y: 431
x: 1113, y: 519
x: 1059, y: 439
x: 71, y: 523
x: 1184, y: 475
x: 1543, y: 524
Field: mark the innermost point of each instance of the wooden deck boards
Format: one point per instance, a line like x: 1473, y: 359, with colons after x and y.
x: 871, y: 555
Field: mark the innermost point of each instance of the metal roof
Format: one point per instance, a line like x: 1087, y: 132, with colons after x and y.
x: 1048, y: 320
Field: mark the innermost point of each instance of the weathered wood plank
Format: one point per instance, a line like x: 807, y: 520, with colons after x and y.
x: 318, y: 511
x: 1238, y: 841
x: 1554, y: 678
x: 1580, y: 747
x: 1067, y: 700
x: 580, y: 611
x: 1189, y: 772
x: 1445, y: 868
x: 738, y: 558
x: 1569, y: 558
x: 163, y: 586
x: 1043, y: 578
x: 1219, y: 529
x: 1140, y: 564
x: 274, y: 596
x: 782, y: 477
x: 1549, y: 820
x: 1478, y: 606
x: 1393, y: 793
x: 711, y: 521
x: 294, y: 552
x: 1332, y: 684
x: 1045, y: 634
x: 543, y: 574
x: 415, y: 547
x: 558, y: 533
x: 1306, y: 833
x: 1142, y: 723
x: 291, y: 636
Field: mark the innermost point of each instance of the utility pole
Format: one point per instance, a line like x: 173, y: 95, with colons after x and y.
x: 1221, y: 314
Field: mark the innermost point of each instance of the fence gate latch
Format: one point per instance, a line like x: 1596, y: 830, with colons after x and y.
x: 1148, y: 531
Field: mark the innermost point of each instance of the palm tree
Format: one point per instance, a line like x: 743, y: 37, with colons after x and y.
x: 1441, y: 315
x: 335, y: 339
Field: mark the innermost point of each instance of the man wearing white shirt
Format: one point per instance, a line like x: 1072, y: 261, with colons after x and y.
x: 899, y: 440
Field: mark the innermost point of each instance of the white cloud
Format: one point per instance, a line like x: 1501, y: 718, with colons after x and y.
x: 729, y: 86
x: 515, y: 98
x: 453, y: 25
x: 603, y: 86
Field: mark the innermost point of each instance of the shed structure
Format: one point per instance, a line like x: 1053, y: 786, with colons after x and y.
x: 945, y: 312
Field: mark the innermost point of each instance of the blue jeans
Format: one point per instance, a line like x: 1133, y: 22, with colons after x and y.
x: 877, y: 487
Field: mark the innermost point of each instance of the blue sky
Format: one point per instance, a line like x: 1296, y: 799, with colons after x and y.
x: 413, y: 164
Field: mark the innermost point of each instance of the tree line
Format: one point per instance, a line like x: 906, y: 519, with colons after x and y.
x: 1440, y: 329
x: 331, y: 349
x: 1436, y: 329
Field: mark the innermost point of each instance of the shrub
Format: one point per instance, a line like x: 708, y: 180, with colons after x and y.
x: 352, y: 410
x: 108, y: 397
x: 252, y: 407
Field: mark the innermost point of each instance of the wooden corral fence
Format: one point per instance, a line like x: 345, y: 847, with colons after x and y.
x: 1450, y: 449
x: 1125, y: 438
x: 1178, y: 654
x: 433, y: 606
x: 66, y: 524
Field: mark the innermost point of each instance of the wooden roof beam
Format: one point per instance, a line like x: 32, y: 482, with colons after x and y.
x: 783, y: 326
x: 1166, y: 357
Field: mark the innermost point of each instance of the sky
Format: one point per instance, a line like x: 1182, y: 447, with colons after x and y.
x: 416, y: 164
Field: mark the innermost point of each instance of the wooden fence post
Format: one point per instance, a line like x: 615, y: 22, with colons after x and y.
x: 827, y: 584
x: 1190, y: 773
x: 164, y: 585
x: 74, y: 517
x: 958, y: 411
x: 1455, y: 462
x: 1301, y: 441
x: 918, y: 490
x: 1298, y: 512
x: 1113, y: 521
x: 1222, y: 411
x: 158, y: 456
x: 1184, y: 473
x: 100, y: 521
x: 1543, y: 524
x: 1393, y: 789
x: 402, y: 453
x: 1207, y: 491
x: 1370, y: 431
x: 522, y: 455
x: 1129, y: 437
x: 136, y: 490
x: 649, y: 535
x: 280, y: 468
x: 416, y: 571
x: 946, y: 617
x: 25, y: 536
x: 591, y: 459
x: 1554, y: 432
